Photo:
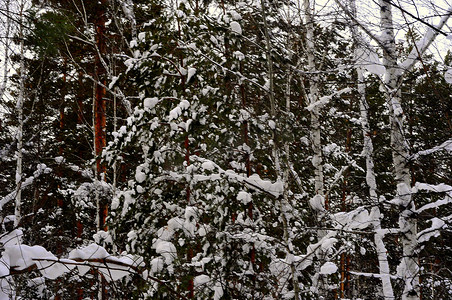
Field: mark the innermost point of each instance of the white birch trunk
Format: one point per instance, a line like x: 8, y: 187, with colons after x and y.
x: 408, y: 269
x: 382, y: 256
x: 282, y: 175
x: 20, y: 116
x: 314, y: 97
x: 6, y: 46
x: 318, y: 201
x: 371, y: 181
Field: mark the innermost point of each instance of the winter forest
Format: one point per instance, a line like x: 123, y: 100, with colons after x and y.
x: 232, y: 149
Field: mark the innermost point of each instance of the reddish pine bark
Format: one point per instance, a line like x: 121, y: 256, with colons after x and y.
x: 100, y: 106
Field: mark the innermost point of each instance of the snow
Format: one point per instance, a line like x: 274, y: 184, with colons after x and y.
x: 201, y: 280
x: 448, y: 76
x: 91, y: 251
x: 244, y: 197
x: 127, y: 10
x: 447, y: 146
x: 139, y: 175
x: 132, y: 44
x: 59, y: 159
x: 114, y: 79
x: 12, y: 238
x: 235, y: 15
x: 27, y: 182
x: 318, y: 249
x: 51, y: 269
x: 177, y: 111
x: 191, y: 72
x: 208, y: 165
x: 272, y: 124
x: 433, y: 231
x: 218, y: 291
x: 113, y: 268
x: 23, y: 256
x: 328, y: 268
x: 326, y: 99
x: 439, y: 188
x: 150, y: 102
x: 239, y: 55
x: 191, y: 218
x: 157, y: 265
x: 235, y: 27
x: 167, y: 250
x: 253, y: 182
x: 128, y: 200
x: 317, y: 203
x: 355, y: 219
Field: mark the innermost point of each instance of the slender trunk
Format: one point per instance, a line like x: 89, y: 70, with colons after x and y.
x: 318, y: 202
x: 250, y: 205
x: 282, y: 175
x: 80, y: 121
x: 100, y: 121
x: 100, y: 106
x: 20, y: 115
x: 6, y: 49
x: 345, y: 258
x: 408, y: 268
x: 371, y: 181
x: 59, y: 171
x: 285, y: 203
x: 314, y: 97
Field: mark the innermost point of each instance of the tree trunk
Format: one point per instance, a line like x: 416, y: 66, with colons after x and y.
x: 100, y: 106
x: 20, y: 116
x: 371, y: 181
x: 318, y: 202
x: 282, y: 175
x: 100, y: 119
x: 314, y: 97
x: 408, y: 268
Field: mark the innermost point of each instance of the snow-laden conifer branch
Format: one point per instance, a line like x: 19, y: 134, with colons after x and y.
x: 273, y: 189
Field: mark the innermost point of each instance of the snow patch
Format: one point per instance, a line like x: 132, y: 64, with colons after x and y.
x: 328, y: 268
x: 201, y: 280
x: 448, y: 76
x: 235, y: 27
x: 317, y: 203
x: 150, y: 102
x: 244, y: 197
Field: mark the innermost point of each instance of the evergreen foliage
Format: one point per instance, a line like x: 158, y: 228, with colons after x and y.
x: 212, y: 171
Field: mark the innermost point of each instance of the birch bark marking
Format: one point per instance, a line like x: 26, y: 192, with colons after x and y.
x: 314, y: 97
x: 318, y: 201
x: 100, y: 103
x: 371, y: 181
x: 6, y: 45
x: 408, y: 268
x: 276, y: 156
x: 20, y: 116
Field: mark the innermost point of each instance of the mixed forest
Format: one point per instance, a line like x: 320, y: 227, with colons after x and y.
x: 232, y: 149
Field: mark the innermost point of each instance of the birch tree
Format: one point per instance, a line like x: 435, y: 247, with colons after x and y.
x: 408, y: 268
x: 20, y: 116
x: 368, y: 154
